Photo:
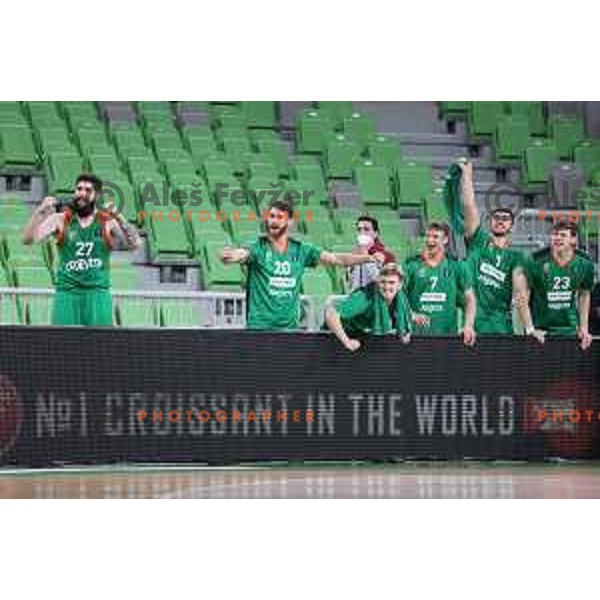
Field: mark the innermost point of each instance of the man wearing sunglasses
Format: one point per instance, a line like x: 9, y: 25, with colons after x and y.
x: 496, y: 268
x: 85, y: 237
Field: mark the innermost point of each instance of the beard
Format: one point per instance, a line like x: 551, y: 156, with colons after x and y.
x: 277, y: 232
x: 84, y: 211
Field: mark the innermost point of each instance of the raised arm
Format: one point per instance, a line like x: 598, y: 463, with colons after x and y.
x: 125, y: 231
x: 333, y: 321
x: 472, y: 218
x: 234, y: 255
x: 583, y: 331
x: 342, y: 259
x: 43, y: 222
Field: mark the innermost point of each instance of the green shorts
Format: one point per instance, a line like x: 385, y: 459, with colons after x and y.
x: 88, y: 308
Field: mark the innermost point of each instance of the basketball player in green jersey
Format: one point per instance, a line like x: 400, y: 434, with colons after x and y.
x: 561, y: 279
x: 497, y: 269
x: 276, y: 264
x: 437, y: 285
x: 85, y: 237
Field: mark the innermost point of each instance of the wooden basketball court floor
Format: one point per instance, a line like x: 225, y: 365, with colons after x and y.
x: 418, y: 480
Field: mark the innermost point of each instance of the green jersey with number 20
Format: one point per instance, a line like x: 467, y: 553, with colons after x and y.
x: 274, y: 282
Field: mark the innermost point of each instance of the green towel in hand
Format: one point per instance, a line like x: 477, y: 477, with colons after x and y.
x: 453, y: 200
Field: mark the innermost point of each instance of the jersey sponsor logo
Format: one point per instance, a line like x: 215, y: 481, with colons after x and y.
x: 492, y: 272
x: 282, y: 282
x: 83, y: 264
x: 490, y: 282
x: 433, y: 297
x: 560, y: 296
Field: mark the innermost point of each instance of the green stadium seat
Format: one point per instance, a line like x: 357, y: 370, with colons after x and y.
x: 143, y: 169
x: 262, y: 169
x: 587, y: 156
x: 200, y: 149
x: 169, y: 235
x: 164, y: 142
x: 313, y: 130
x: 33, y: 277
x: 210, y: 230
x: 16, y: 146
x: 179, y: 313
x: 312, y: 175
x: 533, y: 111
x: 93, y: 141
x: 132, y: 312
x: 337, y: 111
x: 415, y: 183
x: 124, y: 276
x: 20, y: 255
x: 275, y: 150
x: 318, y: 283
x: 305, y: 193
x: 320, y: 227
x: 538, y: 160
x: 256, y: 135
x: 195, y: 130
x: 385, y: 151
x: 483, y: 117
x: 390, y: 227
x: 360, y: 128
x: 457, y: 109
x: 153, y: 123
x: 128, y: 142
x: 180, y: 169
x: 44, y: 114
x: 14, y: 213
x: 245, y: 229
x: 341, y: 156
x: 160, y: 107
x: 214, y: 272
x: 55, y: 141
x: 233, y: 122
x: 11, y: 113
x: 81, y: 115
x: 11, y: 307
x: 106, y: 167
x: 304, y: 159
x: 567, y: 132
x: 63, y: 172
x: 435, y: 207
x: 373, y: 183
x: 237, y: 150
x: 260, y: 114
x: 4, y: 278
x: 512, y: 137
x: 217, y: 169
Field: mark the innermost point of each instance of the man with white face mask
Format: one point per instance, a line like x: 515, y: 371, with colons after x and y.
x: 368, y: 243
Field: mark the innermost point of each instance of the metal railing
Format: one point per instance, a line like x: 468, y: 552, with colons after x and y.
x: 210, y: 310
